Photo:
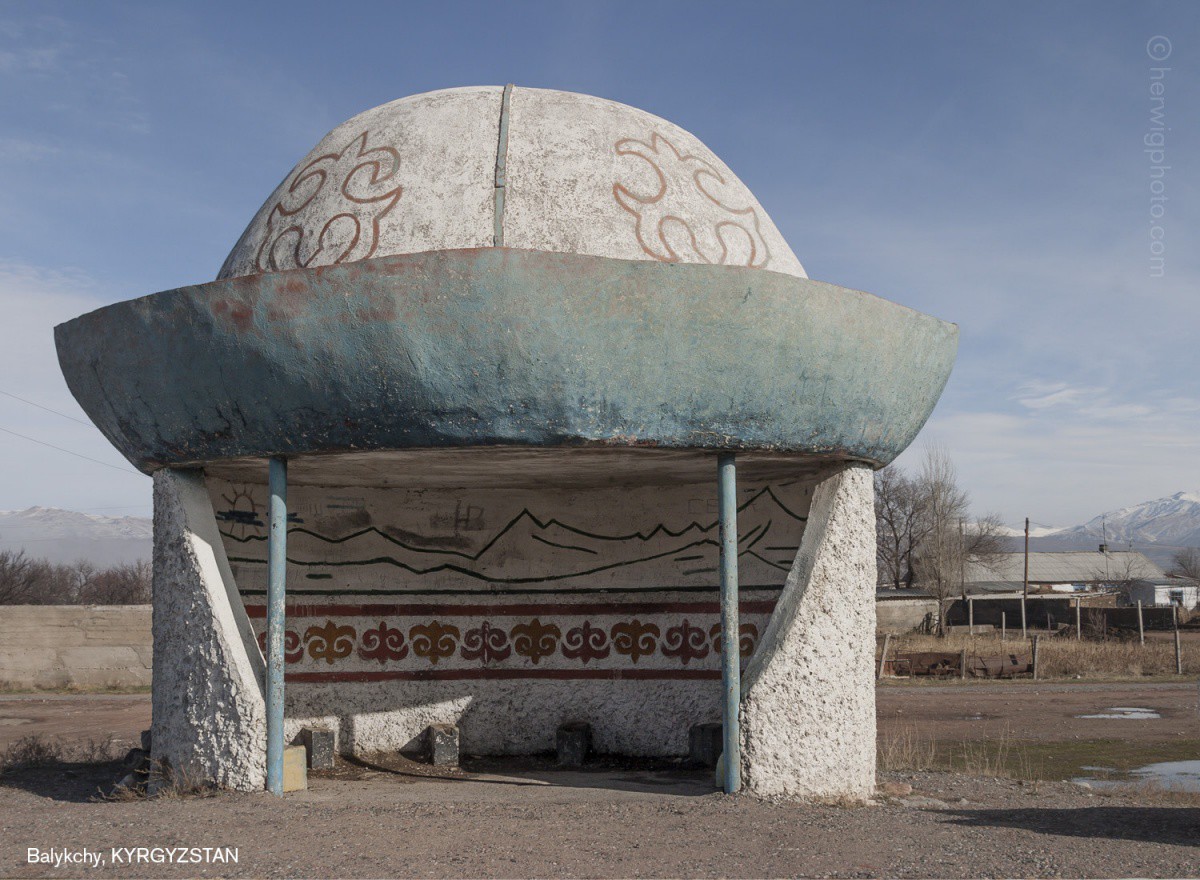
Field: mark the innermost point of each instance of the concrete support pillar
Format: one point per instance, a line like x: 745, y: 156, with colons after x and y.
x: 808, y: 695
x: 209, y: 715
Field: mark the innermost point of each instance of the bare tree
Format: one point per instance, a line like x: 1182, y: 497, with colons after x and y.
x: 985, y: 540
x: 127, y: 584
x: 899, y: 526
x: 947, y: 540
x: 1121, y: 570
x: 18, y: 578
x: 1186, y: 563
x: 25, y: 581
x: 939, y: 557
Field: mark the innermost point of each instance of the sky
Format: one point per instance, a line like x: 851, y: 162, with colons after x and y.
x: 1029, y: 171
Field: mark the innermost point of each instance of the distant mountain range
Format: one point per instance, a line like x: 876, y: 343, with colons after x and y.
x: 68, y: 536
x: 1157, y: 528
x: 1172, y: 520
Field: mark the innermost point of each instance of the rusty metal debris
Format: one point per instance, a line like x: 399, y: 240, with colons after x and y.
x: 949, y: 663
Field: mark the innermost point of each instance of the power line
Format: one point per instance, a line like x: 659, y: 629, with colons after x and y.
x: 69, y: 452
x: 47, y: 409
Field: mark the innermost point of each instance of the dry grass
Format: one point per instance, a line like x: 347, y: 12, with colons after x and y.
x: 998, y: 758
x: 1151, y: 792
x: 1064, y: 656
x: 902, y: 750
x: 44, y: 751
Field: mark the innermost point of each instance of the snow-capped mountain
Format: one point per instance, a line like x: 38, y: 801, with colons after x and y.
x: 1034, y: 532
x: 67, y: 536
x: 1174, y: 520
x: 1158, y: 528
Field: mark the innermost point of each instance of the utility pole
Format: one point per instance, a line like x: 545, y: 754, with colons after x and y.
x: 962, y: 559
x: 1025, y: 591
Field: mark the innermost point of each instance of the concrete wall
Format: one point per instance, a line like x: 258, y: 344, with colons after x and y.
x: 84, y: 646
x: 1161, y: 594
x: 898, y: 616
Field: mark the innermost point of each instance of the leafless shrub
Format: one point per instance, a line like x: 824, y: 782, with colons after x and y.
x: 47, y: 751
x: 32, y: 751
x: 902, y: 749
x: 25, y: 581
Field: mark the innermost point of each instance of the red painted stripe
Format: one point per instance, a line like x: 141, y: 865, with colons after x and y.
x: 467, y: 674
x: 523, y: 610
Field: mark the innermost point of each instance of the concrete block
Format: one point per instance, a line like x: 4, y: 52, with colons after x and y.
x: 705, y: 742
x: 442, y: 742
x: 572, y: 743
x: 318, y: 746
x: 295, y: 769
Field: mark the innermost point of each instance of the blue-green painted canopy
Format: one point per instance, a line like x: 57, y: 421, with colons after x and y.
x: 495, y: 346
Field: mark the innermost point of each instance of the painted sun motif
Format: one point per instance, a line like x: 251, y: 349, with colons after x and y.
x: 242, y: 513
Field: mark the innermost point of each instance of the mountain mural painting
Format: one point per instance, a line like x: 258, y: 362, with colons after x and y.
x: 399, y: 541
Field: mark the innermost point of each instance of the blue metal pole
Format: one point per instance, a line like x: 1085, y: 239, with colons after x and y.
x: 276, y: 619
x: 731, y: 673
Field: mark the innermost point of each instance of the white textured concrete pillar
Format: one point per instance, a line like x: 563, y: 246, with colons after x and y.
x: 808, y: 695
x: 209, y: 717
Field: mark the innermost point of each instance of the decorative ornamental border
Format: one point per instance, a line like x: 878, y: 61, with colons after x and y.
x: 427, y: 642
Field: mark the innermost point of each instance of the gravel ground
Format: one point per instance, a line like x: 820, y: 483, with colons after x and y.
x: 521, y: 819
x: 365, y: 822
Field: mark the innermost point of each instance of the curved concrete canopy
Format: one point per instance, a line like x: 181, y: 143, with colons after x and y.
x: 494, y: 346
x: 535, y: 169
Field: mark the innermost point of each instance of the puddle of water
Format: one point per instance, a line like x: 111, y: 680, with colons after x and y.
x: 1181, y: 775
x: 1099, y: 769
x: 1171, y: 775
x: 1130, y: 713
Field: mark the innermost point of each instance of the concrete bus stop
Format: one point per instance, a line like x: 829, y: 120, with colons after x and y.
x: 440, y: 445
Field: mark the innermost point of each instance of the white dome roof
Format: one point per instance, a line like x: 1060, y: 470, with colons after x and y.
x: 565, y: 172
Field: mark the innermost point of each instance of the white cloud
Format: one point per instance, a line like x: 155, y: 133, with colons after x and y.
x: 1038, y: 394
x: 25, y: 150
x: 1065, y: 463
x: 33, y: 301
x: 39, y: 60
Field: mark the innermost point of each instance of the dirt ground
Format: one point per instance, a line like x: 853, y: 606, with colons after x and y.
x: 936, y: 711
x: 523, y: 819
x: 74, y: 717
x: 1029, y: 710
